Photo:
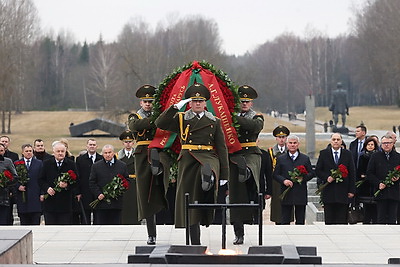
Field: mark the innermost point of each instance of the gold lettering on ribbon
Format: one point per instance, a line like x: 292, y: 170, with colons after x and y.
x: 223, y: 116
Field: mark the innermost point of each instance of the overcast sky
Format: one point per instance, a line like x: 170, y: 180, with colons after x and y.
x: 242, y: 24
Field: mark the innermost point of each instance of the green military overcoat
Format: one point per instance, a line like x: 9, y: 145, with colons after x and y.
x: 250, y: 125
x: 196, y: 132
x: 150, y: 189
x: 129, y: 199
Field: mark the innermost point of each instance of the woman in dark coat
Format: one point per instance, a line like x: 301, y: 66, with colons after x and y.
x: 365, y: 191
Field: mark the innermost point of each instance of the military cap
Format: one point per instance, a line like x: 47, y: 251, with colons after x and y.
x: 281, y: 131
x: 126, y: 136
x: 146, y: 92
x: 197, y: 91
x: 247, y: 93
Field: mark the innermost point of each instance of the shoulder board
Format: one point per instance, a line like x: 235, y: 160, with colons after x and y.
x: 134, y: 116
x: 259, y: 116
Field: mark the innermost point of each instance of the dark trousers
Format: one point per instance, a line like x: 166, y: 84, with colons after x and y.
x: 57, y: 218
x: 151, y: 225
x: 108, y: 217
x: 238, y: 228
x: 336, y: 213
x: 4, y: 215
x: 195, y: 234
x: 370, y: 213
x: 387, y: 211
x: 299, y: 214
x: 30, y: 218
x: 78, y: 218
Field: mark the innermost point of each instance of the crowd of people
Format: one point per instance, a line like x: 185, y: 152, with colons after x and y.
x: 134, y: 185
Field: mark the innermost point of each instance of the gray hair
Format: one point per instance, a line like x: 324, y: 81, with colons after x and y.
x: 106, y: 147
x: 57, y: 143
x: 388, y: 135
x: 291, y: 137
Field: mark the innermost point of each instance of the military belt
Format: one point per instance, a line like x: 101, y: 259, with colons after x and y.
x: 197, y: 147
x: 248, y: 144
x: 144, y: 143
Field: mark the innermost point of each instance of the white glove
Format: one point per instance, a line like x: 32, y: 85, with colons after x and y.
x: 181, y: 103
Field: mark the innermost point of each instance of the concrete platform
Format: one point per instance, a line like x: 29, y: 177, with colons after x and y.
x: 336, y: 244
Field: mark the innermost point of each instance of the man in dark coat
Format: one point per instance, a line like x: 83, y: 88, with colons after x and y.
x: 5, y: 202
x: 357, y: 144
x: 6, y: 141
x: 296, y: 197
x: 84, y: 165
x: 130, y: 207
x: 57, y: 206
x: 335, y: 196
x: 29, y: 196
x: 380, y: 164
x: 150, y: 187
x: 102, y: 173
x: 203, y: 159
x: 273, y: 187
x: 245, y: 164
x: 39, y: 150
x: 339, y: 104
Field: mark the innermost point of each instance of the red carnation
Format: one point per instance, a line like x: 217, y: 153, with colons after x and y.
x: 343, y: 170
x: 8, y: 174
x: 20, y: 162
x: 302, y: 169
x: 398, y: 168
x: 72, y: 174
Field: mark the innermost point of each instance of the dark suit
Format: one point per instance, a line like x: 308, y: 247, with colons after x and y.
x: 335, y: 195
x: 84, y: 165
x: 297, y: 195
x: 58, y: 208
x: 30, y: 211
x: 387, y: 199
x: 100, y: 175
x: 355, y: 151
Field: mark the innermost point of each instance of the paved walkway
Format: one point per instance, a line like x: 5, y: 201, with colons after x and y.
x: 344, y: 244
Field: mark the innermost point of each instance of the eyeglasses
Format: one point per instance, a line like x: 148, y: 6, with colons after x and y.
x: 127, y: 141
x: 387, y: 143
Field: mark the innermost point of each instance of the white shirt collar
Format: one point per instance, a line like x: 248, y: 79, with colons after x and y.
x: 338, y: 151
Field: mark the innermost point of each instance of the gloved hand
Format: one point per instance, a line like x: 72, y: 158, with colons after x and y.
x: 181, y: 103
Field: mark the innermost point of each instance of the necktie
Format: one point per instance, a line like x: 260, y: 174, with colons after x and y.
x: 360, y: 146
x: 109, y: 163
x: 336, y: 157
x: 198, y: 116
x: 92, y: 158
x: 28, y: 163
x: 292, y: 156
x: 59, y: 164
x: 387, y: 156
x: 128, y: 154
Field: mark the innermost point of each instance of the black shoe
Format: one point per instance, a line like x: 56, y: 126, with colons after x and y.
x: 242, y: 169
x: 151, y: 240
x: 155, y: 162
x: 207, y: 179
x: 239, y: 240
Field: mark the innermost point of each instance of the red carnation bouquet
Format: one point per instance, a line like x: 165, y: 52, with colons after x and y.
x: 296, y: 176
x: 66, y: 177
x: 5, y: 177
x: 112, y: 190
x: 337, y: 174
x: 395, y: 173
x: 23, y: 178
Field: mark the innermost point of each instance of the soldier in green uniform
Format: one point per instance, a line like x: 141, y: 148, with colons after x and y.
x: 203, y: 158
x: 129, y: 199
x: 273, y: 187
x: 150, y: 188
x: 245, y: 164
